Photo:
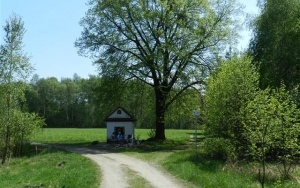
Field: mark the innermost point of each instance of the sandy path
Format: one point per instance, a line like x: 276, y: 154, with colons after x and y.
x: 113, y: 165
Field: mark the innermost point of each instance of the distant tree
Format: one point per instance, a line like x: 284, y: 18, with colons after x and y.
x: 110, y: 91
x: 165, y: 44
x: 49, y: 101
x: 80, y: 102
x: 69, y: 93
x: 70, y: 102
x: 274, y: 46
x: 14, y: 68
x: 139, y: 100
x: 90, y: 108
x: 180, y: 114
x: 136, y: 97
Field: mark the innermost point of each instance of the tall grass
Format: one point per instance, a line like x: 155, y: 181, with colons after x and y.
x: 203, y: 172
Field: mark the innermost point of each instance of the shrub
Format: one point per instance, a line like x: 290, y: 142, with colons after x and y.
x: 228, y: 90
x: 219, y: 148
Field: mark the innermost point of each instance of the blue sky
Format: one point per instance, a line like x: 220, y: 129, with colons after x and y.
x: 52, y: 27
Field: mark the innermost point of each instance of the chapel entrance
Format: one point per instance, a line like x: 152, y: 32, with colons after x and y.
x: 119, y: 129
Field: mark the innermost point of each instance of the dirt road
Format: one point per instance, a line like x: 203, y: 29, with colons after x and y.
x: 115, y: 166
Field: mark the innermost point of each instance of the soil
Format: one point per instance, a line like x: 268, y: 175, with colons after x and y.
x: 115, y: 165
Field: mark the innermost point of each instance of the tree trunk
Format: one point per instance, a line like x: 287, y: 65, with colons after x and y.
x: 160, y: 108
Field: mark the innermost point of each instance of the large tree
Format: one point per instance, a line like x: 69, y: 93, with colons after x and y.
x: 166, y: 44
x: 275, y: 42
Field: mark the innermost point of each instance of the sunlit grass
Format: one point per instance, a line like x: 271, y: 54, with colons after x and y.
x: 69, y: 135
x: 51, y: 168
x: 79, y: 136
x: 203, y: 172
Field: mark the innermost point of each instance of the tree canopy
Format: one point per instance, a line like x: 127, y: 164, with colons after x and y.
x: 274, y: 45
x: 166, y: 44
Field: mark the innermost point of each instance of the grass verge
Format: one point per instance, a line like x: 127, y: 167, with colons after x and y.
x: 50, y: 168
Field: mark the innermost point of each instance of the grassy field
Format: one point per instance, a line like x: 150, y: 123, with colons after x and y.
x: 86, y: 136
x: 69, y: 135
x: 177, y: 155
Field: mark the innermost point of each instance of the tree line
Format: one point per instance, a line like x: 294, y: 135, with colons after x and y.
x: 85, y: 102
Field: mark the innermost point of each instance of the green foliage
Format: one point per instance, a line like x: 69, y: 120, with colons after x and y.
x: 15, y: 125
x: 133, y: 95
x: 219, y: 148
x: 242, y: 120
x: 22, y: 126
x: 168, y: 45
x: 65, y: 103
x: 274, y: 45
x: 229, y: 89
x: 272, y: 127
x: 80, y: 102
x: 14, y: 63
x: 180, y: 113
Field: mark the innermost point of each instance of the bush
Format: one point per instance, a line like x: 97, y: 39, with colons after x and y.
x: 219, y: 148
x: 229, y: 89
x: 272, y: 128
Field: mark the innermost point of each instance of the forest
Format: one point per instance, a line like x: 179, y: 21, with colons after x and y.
x: 85, y: 102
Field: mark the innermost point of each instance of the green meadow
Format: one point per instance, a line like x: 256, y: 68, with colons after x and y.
x: 48, y: 167
x: 86, y: 136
